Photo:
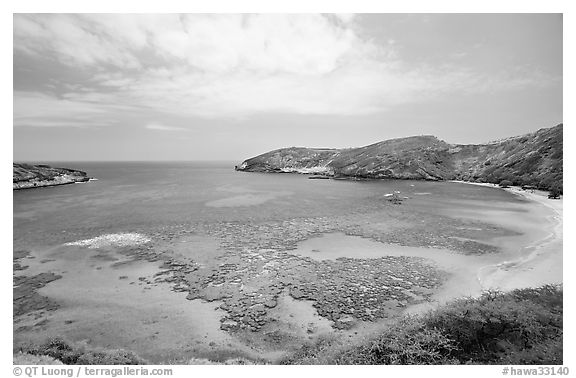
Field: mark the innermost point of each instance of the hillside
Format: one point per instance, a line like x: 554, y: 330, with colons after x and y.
x: 521, y: 327
x: 532, y: 159
x: 35, y: 176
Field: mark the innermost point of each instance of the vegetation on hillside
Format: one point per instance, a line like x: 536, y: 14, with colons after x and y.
x: 534, y: 159
x: 520, y: 327
x: 70, y: 354
x: 26, y: 172
x: 26, y: 176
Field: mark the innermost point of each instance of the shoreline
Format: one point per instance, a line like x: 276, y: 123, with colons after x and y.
x: 135, y: 283
x: 537, y: 263
x: 49, y: 185
x: 30, y: 176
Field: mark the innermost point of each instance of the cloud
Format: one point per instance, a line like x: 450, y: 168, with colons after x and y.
x: 43, y: 110
x: 70, y: 40
x: 305, y: 44
x: 228, y: 66
x: 161, y: 127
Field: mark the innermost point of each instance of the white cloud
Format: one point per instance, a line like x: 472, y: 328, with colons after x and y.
x: 72, y: 41
x: 345, y: 18
x: 43, y: 110
x: 227, y: 66
x: 161, y: 127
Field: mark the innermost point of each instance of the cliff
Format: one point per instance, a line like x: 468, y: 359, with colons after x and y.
x: 35, y: 176
x: 533, y: 159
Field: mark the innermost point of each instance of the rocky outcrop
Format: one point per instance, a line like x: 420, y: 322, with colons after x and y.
x: 294, y: 159
x: 35, y: 176
x: 533, y: 159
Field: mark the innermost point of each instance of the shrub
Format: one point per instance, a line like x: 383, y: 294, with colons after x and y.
x: 57, y: 349
x: 408, y: 343
x: 62, y: 351
x: 30, y: 359
x: 109, y: 357
x: 520, y: 327
x: 497, y: 326
x: 326, y: 350
x: 555, y: 191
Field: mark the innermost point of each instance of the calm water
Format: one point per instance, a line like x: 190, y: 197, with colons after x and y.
x: 219, y: 218
x: 147, y: 196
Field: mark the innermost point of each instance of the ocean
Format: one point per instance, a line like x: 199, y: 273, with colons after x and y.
x: 180, y: 260
x: 130, y: 196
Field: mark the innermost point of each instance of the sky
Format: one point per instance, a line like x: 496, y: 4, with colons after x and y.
x: 231, y: 86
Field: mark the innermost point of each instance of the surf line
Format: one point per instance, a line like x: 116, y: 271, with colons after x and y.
x: 488, y: 273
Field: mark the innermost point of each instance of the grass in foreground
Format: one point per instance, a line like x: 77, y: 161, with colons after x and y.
x: 520, y: 327
x: 523, y: 326
x: 70, y: 354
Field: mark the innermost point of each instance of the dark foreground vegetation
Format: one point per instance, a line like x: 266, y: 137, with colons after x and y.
x: 70, y: 354
x: 520, y: 327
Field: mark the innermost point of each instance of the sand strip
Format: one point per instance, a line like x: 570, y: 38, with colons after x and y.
x: 538, y: 263
x: 528, y: 260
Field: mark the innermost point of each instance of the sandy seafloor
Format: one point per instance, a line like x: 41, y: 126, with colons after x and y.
x: 261, y: 288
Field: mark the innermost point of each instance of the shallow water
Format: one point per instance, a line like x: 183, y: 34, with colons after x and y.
x: 145, y: 196
x: 222, y: 222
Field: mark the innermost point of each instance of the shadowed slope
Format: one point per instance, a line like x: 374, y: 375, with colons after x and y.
x: 531, y: 159
x: 26, y: 176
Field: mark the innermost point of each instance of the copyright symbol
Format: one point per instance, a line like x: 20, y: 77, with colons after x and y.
x: 17, y: 371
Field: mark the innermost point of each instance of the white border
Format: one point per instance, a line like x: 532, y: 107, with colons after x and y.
x: 297, y: 6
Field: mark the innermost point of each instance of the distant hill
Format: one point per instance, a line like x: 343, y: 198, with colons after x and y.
x: 533, y: 159
x: 35, y: 176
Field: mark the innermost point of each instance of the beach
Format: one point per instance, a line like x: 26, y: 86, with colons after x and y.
x: 316, y: 258
x: 541, y: 261
x: 531, y: 259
